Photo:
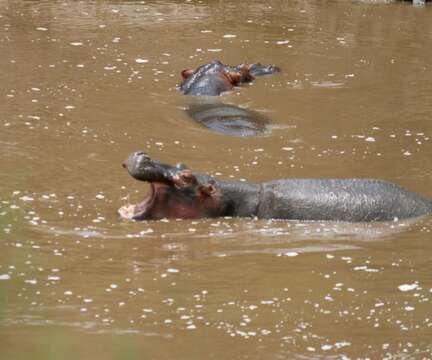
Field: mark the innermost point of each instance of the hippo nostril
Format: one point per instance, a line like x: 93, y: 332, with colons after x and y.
x: 142, y: 155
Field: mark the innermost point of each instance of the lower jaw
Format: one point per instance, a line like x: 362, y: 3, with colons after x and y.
x: 127, y: 211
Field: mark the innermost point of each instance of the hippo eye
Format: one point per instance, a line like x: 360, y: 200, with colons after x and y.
x: 184, y: 179
x: 186, y: 176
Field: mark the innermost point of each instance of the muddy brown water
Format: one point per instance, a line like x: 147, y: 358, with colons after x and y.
x: 83, y: 84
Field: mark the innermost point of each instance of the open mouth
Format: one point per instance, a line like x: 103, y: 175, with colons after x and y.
x: 141, y: 210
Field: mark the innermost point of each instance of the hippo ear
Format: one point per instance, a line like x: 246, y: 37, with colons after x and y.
x: 234, y: 77
x: 246, y: 74
x: 186, y: 73
x: 240, y: 76
x: 208, y: 189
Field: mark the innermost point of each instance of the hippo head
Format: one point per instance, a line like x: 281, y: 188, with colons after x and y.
x: 213, y: 78
x: 234, y: 75
x: 175, y: 192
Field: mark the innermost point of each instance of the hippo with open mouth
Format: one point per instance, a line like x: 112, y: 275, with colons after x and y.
x: 214, y: 78
x: 177, y: 192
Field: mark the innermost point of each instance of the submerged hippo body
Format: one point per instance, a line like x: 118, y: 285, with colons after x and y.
x: 177, y: 192
x: 229, y: 119
x: 214, y: 78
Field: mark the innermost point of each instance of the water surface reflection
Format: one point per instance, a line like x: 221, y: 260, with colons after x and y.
x: 86, y: 83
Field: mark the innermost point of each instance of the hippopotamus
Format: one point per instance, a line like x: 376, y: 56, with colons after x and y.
x: 178, y: 192
x: 215, y: 78
x: 229, y: 119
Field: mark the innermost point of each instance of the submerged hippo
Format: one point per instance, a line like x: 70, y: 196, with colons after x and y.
x: 214, y: 78
x: 177, y: 192
x: 229, y: 119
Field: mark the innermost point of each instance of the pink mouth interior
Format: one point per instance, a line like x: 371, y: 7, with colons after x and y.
x: 148, y: 201
x: 131, y: 211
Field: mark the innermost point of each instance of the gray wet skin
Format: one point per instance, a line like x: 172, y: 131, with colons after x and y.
x: 229, y: 119
x: 178, y: 192
x: 214, y: 78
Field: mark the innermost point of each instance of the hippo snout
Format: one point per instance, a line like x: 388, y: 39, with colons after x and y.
x: 135, y: 159
x: 140, y: 166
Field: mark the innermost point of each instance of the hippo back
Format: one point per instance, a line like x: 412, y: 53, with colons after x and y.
x: 204, y: 85
x: 339, y: 200
x: 229, y: 119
